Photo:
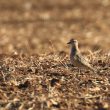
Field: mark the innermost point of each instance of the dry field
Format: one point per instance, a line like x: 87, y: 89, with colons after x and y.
x: 35, y: 71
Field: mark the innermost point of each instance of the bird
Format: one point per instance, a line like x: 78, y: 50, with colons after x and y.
x: 76, y: 57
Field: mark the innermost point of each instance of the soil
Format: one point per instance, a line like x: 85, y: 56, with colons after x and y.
x: 35, y: 69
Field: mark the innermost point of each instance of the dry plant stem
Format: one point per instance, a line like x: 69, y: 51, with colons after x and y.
x: 90, y: 97
x: 4, y: 79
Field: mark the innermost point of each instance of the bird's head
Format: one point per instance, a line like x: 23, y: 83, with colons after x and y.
x: 73, y: 42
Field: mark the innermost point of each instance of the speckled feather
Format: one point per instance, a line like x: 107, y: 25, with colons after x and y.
x: 76, y: 58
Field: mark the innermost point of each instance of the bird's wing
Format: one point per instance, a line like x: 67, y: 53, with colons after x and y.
x: 83, y: 60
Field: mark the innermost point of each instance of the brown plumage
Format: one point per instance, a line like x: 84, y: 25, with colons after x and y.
x: 76, y: 58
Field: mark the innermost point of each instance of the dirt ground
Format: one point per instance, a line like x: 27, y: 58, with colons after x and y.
x: 35, y: 70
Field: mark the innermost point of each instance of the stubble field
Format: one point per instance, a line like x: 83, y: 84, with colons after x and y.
x: 35, y: 70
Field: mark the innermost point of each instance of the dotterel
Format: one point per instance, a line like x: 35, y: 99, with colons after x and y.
x: 76, y: 57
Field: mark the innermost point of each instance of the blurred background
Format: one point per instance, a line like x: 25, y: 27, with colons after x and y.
x: 39, y: 26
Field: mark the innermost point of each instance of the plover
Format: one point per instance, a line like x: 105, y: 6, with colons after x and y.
x: 76, y: 57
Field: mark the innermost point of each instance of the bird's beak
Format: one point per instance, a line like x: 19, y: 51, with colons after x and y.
x: 68, y: 42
